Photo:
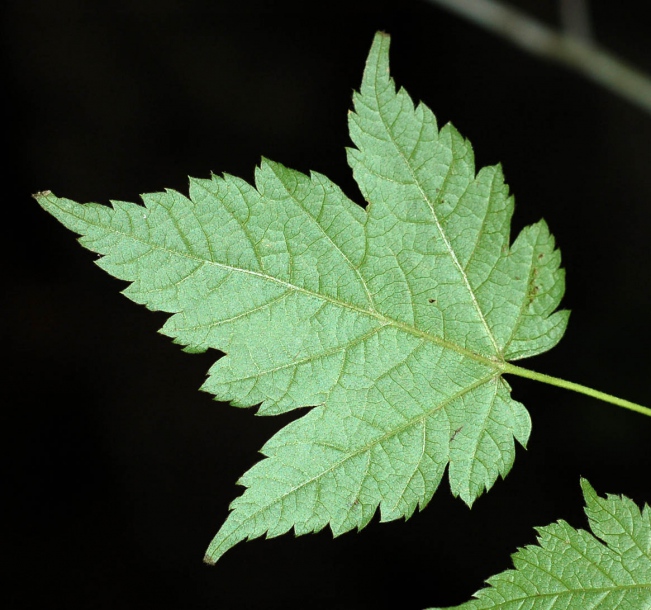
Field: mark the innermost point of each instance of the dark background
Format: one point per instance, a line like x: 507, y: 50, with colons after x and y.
x: 118, y: 470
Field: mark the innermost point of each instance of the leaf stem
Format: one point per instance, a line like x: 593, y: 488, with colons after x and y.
x: 576, y: 387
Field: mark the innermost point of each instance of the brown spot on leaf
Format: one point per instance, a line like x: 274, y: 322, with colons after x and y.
x: 533, y: 292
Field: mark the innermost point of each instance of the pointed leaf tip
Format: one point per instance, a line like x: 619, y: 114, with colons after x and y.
x: 377, y: 62
x: 589, y: 493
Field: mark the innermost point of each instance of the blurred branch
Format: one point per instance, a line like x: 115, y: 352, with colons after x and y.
x: 567, y: 49
x: 575, y: 19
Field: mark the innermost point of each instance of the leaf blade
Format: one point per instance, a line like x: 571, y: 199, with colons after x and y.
x: 392, y: 323
x: 573, y: 569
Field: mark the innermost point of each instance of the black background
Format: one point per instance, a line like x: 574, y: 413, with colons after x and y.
x: 118, y: 470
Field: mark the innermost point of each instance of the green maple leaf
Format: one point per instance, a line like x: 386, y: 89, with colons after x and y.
x: 573, y: 570
x: 394, y: 323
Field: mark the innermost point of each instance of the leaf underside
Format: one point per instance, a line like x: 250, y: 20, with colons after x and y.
x: 572, y: 569
x: 391, y: 322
